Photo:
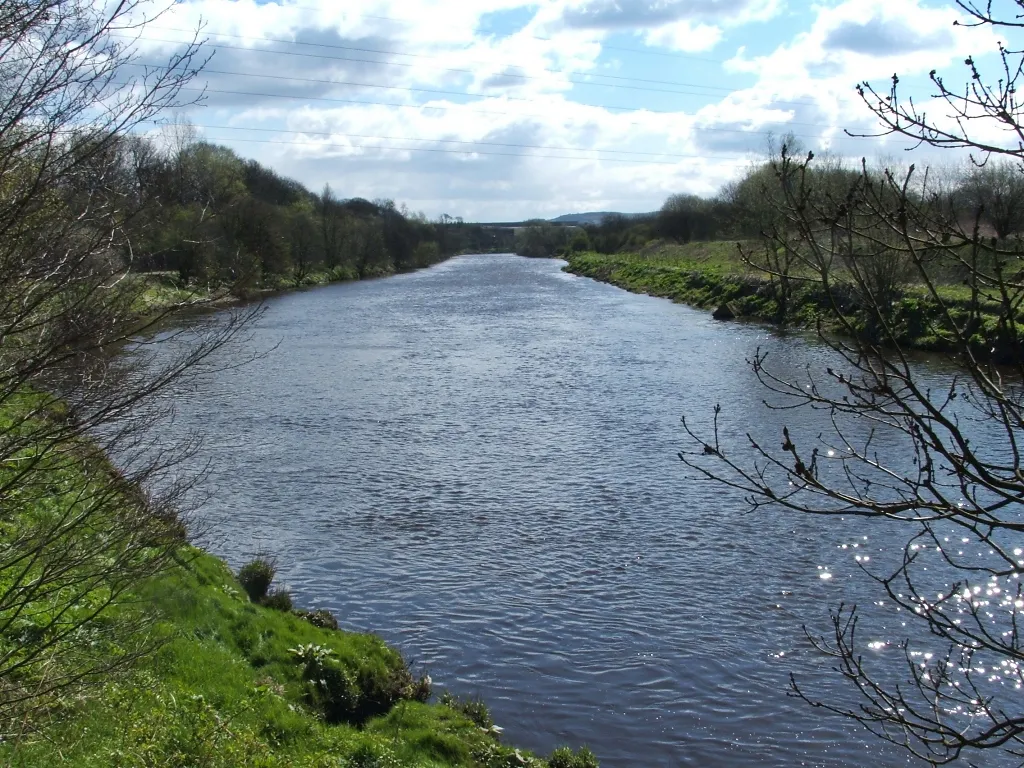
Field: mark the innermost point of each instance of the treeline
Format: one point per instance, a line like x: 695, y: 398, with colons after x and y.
x: 213, y: 218
x: 989, y: 198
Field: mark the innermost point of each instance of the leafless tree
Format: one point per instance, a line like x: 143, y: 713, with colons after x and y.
x: 954, y: 468
x: 996, y: 191
x: 87, y: 505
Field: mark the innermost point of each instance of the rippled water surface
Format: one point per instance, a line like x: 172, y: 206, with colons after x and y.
x: 478, y: 462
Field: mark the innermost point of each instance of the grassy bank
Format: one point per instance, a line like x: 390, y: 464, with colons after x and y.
x: 711, y: 275
x: 230, y: 676
x: 157, y: 291
x: 228, y: 688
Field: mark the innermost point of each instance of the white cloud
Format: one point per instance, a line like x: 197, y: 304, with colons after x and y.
x: 431, y: 111
x: 867, y: 39
x: 813, y: 76
x: 685, y: 36
x: 683, y: 25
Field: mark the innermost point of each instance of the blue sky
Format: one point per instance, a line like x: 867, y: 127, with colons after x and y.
x: 502, y: 110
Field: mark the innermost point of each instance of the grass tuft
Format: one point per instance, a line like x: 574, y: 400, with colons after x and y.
x: 257, y: 575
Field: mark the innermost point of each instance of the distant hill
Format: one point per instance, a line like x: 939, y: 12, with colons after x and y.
x: 594, y: 217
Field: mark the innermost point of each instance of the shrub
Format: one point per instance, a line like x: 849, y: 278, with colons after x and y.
x: 278, y: 600
x: 382, y: 690
x: 475, y: 709
x: 421, y: 689
x: 564, y: 758
x: 369, y: 757
x: 257, y: 575
x: 312, y: 656
x: 320, y: 618
x: 333, y: 691
x: 354, y: 695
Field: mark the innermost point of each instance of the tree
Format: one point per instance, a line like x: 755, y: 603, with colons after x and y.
x: 753, y: 203
x: 953, y: 464
x: 76, y: 532
x: 995, y: 192
x: 304, y: 245
x: 684, y: 218
x: 541, y: 239
x: 330, y: 226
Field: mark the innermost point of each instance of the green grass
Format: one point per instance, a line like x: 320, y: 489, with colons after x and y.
x: 226, y: 682
x: 708, y: 275
x: 155, y: 291
x: 225, y: 689
x: 158, y: 291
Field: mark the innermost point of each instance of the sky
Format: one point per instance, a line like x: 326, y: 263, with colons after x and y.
x: 502, y: 110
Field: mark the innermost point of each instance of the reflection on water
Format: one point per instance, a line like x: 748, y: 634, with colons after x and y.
x: 478, y: 461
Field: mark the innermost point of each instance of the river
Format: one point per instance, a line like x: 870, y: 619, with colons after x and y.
x: 478, y: 461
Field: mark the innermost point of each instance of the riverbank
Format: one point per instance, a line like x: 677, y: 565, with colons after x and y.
x: 157, y: 292
x: 222, y: 680
x: 711, y: 275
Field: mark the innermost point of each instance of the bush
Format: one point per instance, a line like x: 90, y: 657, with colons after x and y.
x: 256, y: 576
x: 421, y: 689
x: 278, y: 600
x: 564, y: 758
x: 369, y: 757
x: 382, y: 690
x: 475, y: 709
x: 320, y: 618
x: 341, y: 694
x: 334, y: 692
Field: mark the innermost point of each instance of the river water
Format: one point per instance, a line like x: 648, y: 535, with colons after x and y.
x: 478, y: 461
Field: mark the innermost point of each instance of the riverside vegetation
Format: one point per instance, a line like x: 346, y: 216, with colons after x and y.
x: 207, y: 221
x: 121, y: 644
x: 227, y: 671
x: 742, y: 255
x: 714, y: 275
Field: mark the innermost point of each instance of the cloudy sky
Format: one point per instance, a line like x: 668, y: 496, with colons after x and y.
x: 502, y: 109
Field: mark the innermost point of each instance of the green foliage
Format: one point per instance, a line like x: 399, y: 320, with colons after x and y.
x: 319, y: 618
x: 332, y: 690
x: 219, y: 221
x: 686, y: 217
x: 426, y: 253
x: 708, y: 275
x: 542, y: 239
x: 474, y: 708
x: 256, y: 576
x: 619, y: 233
x: 565, y: 758
x: 368, y: 756
x: 580, y: 242
x: 420, y: 689
x: 279, y: 600
x: 236, y: 684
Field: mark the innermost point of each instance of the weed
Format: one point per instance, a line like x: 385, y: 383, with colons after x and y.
x: 319, y: 618
x: 565, y: 758
x: 474, y: 708
x: 257, y: 575
x: 278, y: 600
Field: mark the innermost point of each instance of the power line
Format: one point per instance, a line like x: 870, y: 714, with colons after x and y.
x: 357, y: 49
x: 448, y: 141
x: 537, y: 37
x: 459, y: 152
x: 421, y: 107
x: 435, y: 91
x: 220, y: 46
x: 401, y: 87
